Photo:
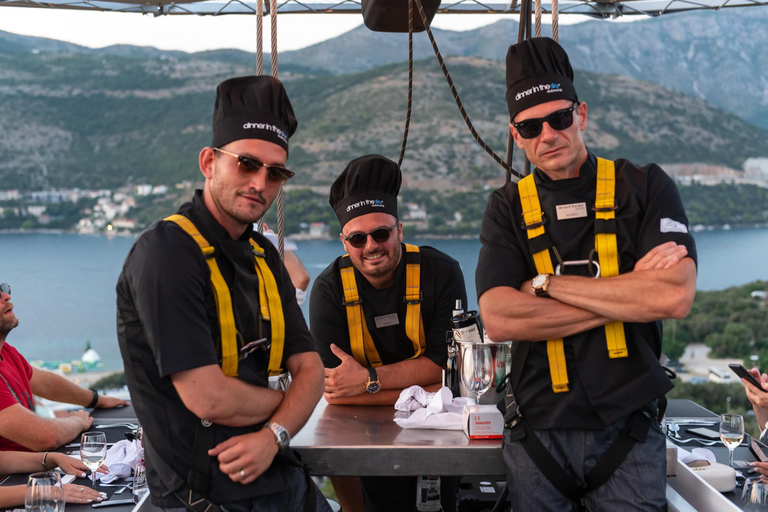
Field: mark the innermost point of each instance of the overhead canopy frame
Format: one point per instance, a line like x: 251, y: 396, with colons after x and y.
x: 597, y: 9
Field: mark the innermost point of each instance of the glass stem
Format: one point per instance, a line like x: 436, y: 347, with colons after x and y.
x: 730, y: 457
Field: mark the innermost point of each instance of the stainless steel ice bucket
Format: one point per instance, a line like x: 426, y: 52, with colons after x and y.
x: 502, y: 361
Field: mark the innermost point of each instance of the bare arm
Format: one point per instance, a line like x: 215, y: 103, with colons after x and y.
x: 662, y: 285
x: 639, y: 296
x: 26, y: 428
x: 246, y: 457
x: 210, y: 394
x: 55, y: 387
x: 297, y: 271
x: 383, y: 397
x: 349, y: 378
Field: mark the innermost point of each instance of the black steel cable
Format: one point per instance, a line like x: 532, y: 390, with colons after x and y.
x: 455, y: 93
x: 410, y: 84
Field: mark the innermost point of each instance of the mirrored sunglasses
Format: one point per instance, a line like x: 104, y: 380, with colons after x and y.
x: 358, y: 239
x: 248, y: 166
x: 5, y: 288
x: 559, y: 120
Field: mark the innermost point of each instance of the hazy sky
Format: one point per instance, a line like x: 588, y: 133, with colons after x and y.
x: 195, y: 33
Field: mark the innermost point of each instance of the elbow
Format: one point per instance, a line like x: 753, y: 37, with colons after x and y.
x: 208, y: 409
x: 681, y: 303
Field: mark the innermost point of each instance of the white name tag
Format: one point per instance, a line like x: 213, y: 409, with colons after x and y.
x: 386, y: 320
x: 571, y: 211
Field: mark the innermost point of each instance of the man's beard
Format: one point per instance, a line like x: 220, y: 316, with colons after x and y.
x: 7, y: 325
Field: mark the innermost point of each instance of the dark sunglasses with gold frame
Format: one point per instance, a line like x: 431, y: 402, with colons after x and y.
x: 248, y: 166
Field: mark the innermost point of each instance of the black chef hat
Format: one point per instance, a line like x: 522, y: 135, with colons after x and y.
x: 369, y: 184
x: 538, y: 71
x: 252, y: 107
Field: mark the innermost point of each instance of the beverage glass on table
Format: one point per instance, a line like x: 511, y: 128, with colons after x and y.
x: 44, y: 493
x: 731, y: 433
x: 477, y: 368
x: 755, y: 498
x: 140, y: 487
x: 93, y: 451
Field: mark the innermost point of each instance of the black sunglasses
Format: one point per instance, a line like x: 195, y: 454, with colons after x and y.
x: 559, y: 120
x: 249, y: 165
x: 5, y: 288
x: 358, y: 239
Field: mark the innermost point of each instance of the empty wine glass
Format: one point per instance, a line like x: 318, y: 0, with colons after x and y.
x: 731, y: 433
x: 93, y: 451
x: 44, y: 493
x: 477, y: 368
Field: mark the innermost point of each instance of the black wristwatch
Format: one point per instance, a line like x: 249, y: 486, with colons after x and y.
x: 373, y: 385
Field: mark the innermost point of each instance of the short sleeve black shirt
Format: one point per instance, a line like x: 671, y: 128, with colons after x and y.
x: 650, y: 212
x: 442, y: 283
x: 167, y: 323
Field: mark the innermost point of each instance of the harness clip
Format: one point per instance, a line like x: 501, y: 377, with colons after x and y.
x: 416, y: 301
x: 559, y: 269
x: 535, y: 225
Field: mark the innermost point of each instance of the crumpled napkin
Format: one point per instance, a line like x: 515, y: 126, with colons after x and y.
x: 697, y: 454
x: 437, y: 410
x: 121, y: 460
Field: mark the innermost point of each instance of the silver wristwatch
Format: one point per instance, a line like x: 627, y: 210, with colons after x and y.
x: 282, y: 435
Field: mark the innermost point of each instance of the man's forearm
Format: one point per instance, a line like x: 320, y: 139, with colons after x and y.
x: 306, y: 388
x: 421, y: 371
x: 55, y: 387
x: 644, y: 296
x: 229, y: 401
x: 511, y: 315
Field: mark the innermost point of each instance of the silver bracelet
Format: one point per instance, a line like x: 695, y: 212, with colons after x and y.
x: 45, y: 461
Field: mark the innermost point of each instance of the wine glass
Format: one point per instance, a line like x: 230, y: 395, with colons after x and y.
x: 44, y: 493
x: 731, y: 433
x: 755, y: 496
x: 476, y: 368
x: 93, y: 451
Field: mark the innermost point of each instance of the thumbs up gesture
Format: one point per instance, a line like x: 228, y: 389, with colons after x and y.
x: 347, y: 379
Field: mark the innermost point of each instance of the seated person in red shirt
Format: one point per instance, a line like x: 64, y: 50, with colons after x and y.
x: 20, y: 427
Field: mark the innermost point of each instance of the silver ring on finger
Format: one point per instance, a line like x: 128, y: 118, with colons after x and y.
x: 242, y: 473
x: 81, y: 489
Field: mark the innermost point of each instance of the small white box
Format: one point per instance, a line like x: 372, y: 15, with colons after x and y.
x: 482, y: 422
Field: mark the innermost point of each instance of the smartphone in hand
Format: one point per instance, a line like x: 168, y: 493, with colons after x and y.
x: 744, y: 374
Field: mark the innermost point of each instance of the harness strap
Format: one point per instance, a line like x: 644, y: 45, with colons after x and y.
x: 361, y: 343
x: 605, y: 244
x: 269, y: 301
x: 414, y: 325
x: 533, y: 219
x: 271, y: 309
x: 229, y: 355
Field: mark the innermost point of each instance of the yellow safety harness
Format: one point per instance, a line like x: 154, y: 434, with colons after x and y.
x: 361, y: 343
x: 269, y: 299
x: 605, y: 245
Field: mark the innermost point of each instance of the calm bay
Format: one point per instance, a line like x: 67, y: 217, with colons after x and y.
x: 64, y: 284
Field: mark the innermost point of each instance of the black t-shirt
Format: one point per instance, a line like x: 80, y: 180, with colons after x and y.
x: 442, y: 283
x: 167, y: 323
x: 650, y: 212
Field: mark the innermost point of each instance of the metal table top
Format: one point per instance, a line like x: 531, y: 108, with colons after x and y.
x: 364, y: 440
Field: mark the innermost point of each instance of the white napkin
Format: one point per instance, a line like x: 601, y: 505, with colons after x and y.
x: 437, y: 410
x: 686, y: 457
x: 121, y: 460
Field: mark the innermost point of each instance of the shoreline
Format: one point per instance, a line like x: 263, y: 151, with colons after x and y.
x: 698, y: 228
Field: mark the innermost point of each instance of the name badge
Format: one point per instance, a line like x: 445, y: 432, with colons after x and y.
x: 386, y: 320
x: 571, y: 211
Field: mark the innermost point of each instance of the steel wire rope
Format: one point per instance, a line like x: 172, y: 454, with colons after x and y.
x: 410, y: 84
x: 455, y: 93
x: 280, y: 197
x: 260, y: 64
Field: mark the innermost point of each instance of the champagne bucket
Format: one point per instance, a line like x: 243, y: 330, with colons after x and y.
x: 502, y: 362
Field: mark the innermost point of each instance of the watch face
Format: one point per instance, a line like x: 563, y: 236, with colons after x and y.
x: 539, y: 280
x: 373, y: 387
